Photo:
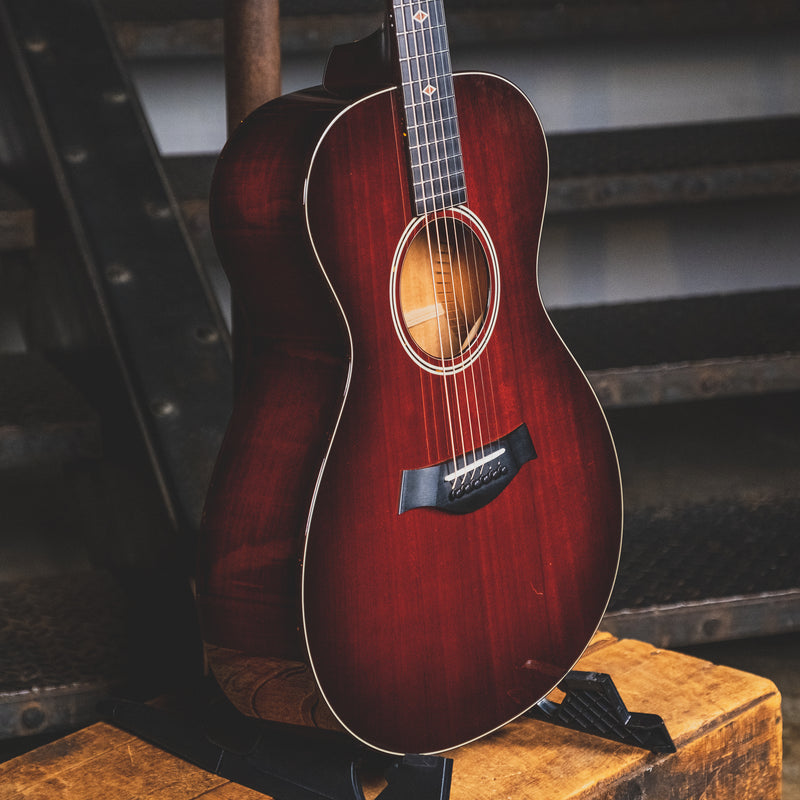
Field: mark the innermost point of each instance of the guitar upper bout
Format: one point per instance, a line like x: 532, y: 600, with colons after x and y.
x: 360, y: 67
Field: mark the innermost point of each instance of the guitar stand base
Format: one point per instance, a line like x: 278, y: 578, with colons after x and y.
x: 418, y: 778
x: 299, y: 765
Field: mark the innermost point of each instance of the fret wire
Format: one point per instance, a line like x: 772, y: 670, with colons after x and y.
x: 442, y: 122
x: 423, y: 105
x: 445, y: 161
x: 426, y: 104
x: 429, y: 175
x: 415, y: 32
x: 423, y: 125
x: 450, y: 154
x: 418, y: 147
x: 457, y: 195
x: 431, y: 128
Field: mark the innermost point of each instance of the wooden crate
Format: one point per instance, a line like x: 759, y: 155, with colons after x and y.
x: 726, y: 725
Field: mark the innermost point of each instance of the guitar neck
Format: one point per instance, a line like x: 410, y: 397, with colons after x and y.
x: 434, y: 145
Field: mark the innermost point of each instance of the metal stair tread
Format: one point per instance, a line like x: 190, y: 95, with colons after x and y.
x: 42, y: 417
x: 17, y: 230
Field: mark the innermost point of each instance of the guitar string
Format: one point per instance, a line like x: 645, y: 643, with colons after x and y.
x: 432, y: 223
x: 493, y: 426
x: 417, y: 109
x: 444, y: 247
x: 472, y: 282
x: 448, y: 225
x: 460, y: 252
x: 458, y: 246
x: 491, y: 420
x: 424, y: 144
x: 428, y: 142
x: 484, y: 361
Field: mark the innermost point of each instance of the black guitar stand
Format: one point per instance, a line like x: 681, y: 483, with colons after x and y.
x: 592, y: 705
x: 295, y: 764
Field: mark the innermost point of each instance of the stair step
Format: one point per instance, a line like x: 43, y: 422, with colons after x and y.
x: 638, y: 167
x: 712, y: 496
x: 71, y: 639
x: 674, y: 164
x: 17, y: 228
x: 62, y: 649
x: 670, y: 350
x: 153, y: 28
x: 43, y: 419
x: 689, y: 348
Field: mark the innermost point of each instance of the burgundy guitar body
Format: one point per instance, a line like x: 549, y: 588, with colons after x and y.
x: 414, y: 524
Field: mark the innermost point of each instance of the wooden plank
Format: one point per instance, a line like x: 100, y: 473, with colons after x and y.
x: 726, y: 725
x: 102, y: 761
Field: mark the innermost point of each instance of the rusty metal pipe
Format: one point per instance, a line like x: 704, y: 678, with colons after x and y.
x: 252, y: 56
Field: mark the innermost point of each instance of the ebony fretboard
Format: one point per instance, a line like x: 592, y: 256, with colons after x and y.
x: 434, y: 146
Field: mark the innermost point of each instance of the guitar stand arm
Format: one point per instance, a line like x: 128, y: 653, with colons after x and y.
x: 593, y: 705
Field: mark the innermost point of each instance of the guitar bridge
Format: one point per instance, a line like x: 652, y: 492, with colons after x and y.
x: 471, y: 481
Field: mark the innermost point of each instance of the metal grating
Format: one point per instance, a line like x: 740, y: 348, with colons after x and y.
x: 712, y: 550
x: 63, y: 646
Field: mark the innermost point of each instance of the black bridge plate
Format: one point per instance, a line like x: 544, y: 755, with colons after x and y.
x: 465, y: 484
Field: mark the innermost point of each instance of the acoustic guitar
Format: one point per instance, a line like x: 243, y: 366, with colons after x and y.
x: 414, y: 523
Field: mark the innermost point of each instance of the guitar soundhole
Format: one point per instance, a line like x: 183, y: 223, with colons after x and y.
x: 444, y: 290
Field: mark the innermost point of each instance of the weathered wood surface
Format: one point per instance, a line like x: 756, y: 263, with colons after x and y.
x: 726, y: 725
x: 103, y: 761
